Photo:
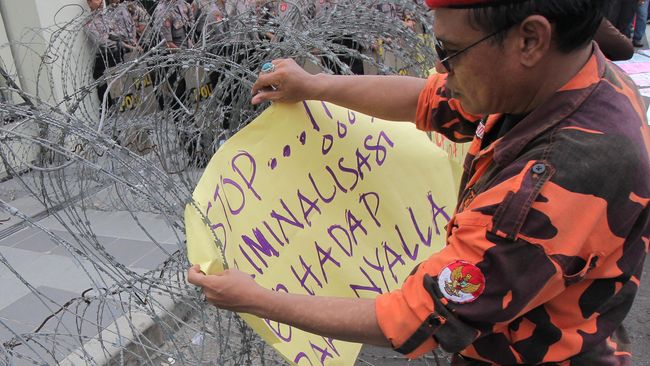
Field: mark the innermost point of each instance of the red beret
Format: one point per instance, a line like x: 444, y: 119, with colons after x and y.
x: 462, y: 3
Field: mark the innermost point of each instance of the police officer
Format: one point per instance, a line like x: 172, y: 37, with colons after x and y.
x: 322, y: 7
x: 174, y: 19
x: 209, y: 13
x: 389, y: 9
x: 291, y: 13
x: 349, y: 41
x: 236, y: 8
x: 140, y: 17
x: 121, y: 22
x: 111, y: 30
x: 113, y: 33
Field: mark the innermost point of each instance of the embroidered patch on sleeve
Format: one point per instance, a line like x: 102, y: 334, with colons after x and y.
x: 461, y: 282
x: 480, y: 130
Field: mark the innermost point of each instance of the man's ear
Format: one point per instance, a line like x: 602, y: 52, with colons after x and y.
x: 534, y: 34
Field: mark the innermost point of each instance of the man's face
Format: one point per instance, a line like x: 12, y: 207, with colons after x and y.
x: 483, y: 77
x: 95, y: 4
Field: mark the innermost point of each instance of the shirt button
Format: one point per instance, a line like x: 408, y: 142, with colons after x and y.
x: 539, y: 168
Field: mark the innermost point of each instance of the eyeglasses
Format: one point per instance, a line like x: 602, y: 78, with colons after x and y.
x: 444, y: 58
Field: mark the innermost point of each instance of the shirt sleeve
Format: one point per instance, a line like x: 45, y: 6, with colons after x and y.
x: 97, y: 37
x: 166, y: 29
x: 481, y: 281
x: 93, y: 33
x: 614, y: 44
x: 191, y: 13
x: 437, y: 111
x: 130, y: 25
x: 143, y: 17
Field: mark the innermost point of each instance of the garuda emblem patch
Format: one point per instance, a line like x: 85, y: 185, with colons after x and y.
x: 461, y: 282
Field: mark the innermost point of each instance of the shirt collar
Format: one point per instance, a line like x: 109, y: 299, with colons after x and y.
x: 562, y: 104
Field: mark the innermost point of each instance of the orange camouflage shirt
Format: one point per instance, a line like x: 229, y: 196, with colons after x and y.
x: 545, y: 250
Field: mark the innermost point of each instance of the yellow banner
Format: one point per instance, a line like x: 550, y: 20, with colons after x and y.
x: 312, y: 198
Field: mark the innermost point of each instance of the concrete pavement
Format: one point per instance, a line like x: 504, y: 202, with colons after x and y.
x: 39, y: 274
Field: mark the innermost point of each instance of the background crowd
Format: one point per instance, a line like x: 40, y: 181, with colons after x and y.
x: 122, y: 27
x: 231, y: 39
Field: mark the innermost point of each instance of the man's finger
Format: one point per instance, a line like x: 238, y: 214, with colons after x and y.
x: 258, y: 98
x: 195, y: 276
x: 265, y: 81
x: 266, y: 95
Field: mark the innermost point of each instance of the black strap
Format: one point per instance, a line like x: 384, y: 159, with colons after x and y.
x: 451, y: 333
x: 424, y: 332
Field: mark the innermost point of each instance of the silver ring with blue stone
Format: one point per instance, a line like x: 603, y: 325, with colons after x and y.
x: 268, y: 68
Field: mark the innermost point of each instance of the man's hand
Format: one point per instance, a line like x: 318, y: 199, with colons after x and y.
x: 116, y: 37
x: 132, y: 47
x: 171, y: 45
x: 288, y: 83
x: 232, y: 289
x: 393, y: 98
x: 348, y: 319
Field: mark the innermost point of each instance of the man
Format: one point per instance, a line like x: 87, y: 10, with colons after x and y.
x: 323, y: 7
x: 614, y: 44
x: 209, y: 13
x: 241, y: 23
x: 640, y: 22
x: 140, y: 17
x: 292, y: 14
x: 110, y: 28
x: 621, y: 14
x: 174, y: 19
x: 350, y: 44
x: 546, y: 247
x: 113, y: 33
x: 120, y: 20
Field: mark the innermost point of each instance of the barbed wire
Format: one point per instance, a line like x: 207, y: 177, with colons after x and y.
x: 138, y: 149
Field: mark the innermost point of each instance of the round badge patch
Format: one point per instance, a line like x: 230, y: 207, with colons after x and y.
x: 461, y: 282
